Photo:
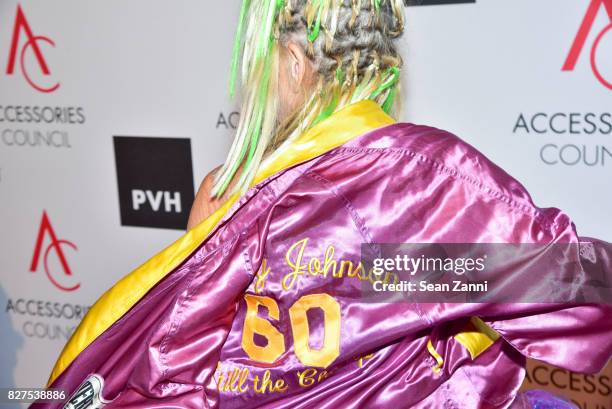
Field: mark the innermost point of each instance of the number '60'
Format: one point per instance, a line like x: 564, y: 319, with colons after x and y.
x: 275, y: 346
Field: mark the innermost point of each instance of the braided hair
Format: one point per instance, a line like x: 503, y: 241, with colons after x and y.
x: 350, y: 42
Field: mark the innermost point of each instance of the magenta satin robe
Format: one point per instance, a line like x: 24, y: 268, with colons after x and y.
x: 401, y: 183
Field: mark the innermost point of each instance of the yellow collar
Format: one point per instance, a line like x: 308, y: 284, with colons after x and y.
x: 348, y: 123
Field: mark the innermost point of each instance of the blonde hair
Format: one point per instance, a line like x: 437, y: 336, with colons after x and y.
x: 351, y: 43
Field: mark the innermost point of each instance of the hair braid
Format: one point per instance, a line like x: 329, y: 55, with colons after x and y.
x: 357, y: 28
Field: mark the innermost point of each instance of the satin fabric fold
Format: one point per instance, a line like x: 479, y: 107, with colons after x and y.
x: 268, y: 310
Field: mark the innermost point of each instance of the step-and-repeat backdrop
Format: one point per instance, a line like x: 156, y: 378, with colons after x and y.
x: 112, y: 112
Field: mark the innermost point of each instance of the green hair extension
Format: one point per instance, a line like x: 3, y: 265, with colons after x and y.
x: 340, y: 75
x: 314, y: 33
x: 237, y: 47
x: 387, y: 106
x: 393, y: 74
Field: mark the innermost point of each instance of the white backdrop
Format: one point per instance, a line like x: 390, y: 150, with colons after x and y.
x: 152, y: 68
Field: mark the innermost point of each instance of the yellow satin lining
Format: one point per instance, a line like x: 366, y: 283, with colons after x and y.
x: 346, y: 124
x: 439, y: 360
x: 477, y: 337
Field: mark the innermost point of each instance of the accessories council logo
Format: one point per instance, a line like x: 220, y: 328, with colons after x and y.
x: 65, y: 281
x: 155, y: 181
x: 583, y: 32
x: 26, y: 51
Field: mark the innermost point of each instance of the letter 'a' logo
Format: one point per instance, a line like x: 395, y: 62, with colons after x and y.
x: 581, y: 36
x: 65, y: 281
x: 29, y: 46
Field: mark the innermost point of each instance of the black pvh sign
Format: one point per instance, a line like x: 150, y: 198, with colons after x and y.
x: 155, y: 181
